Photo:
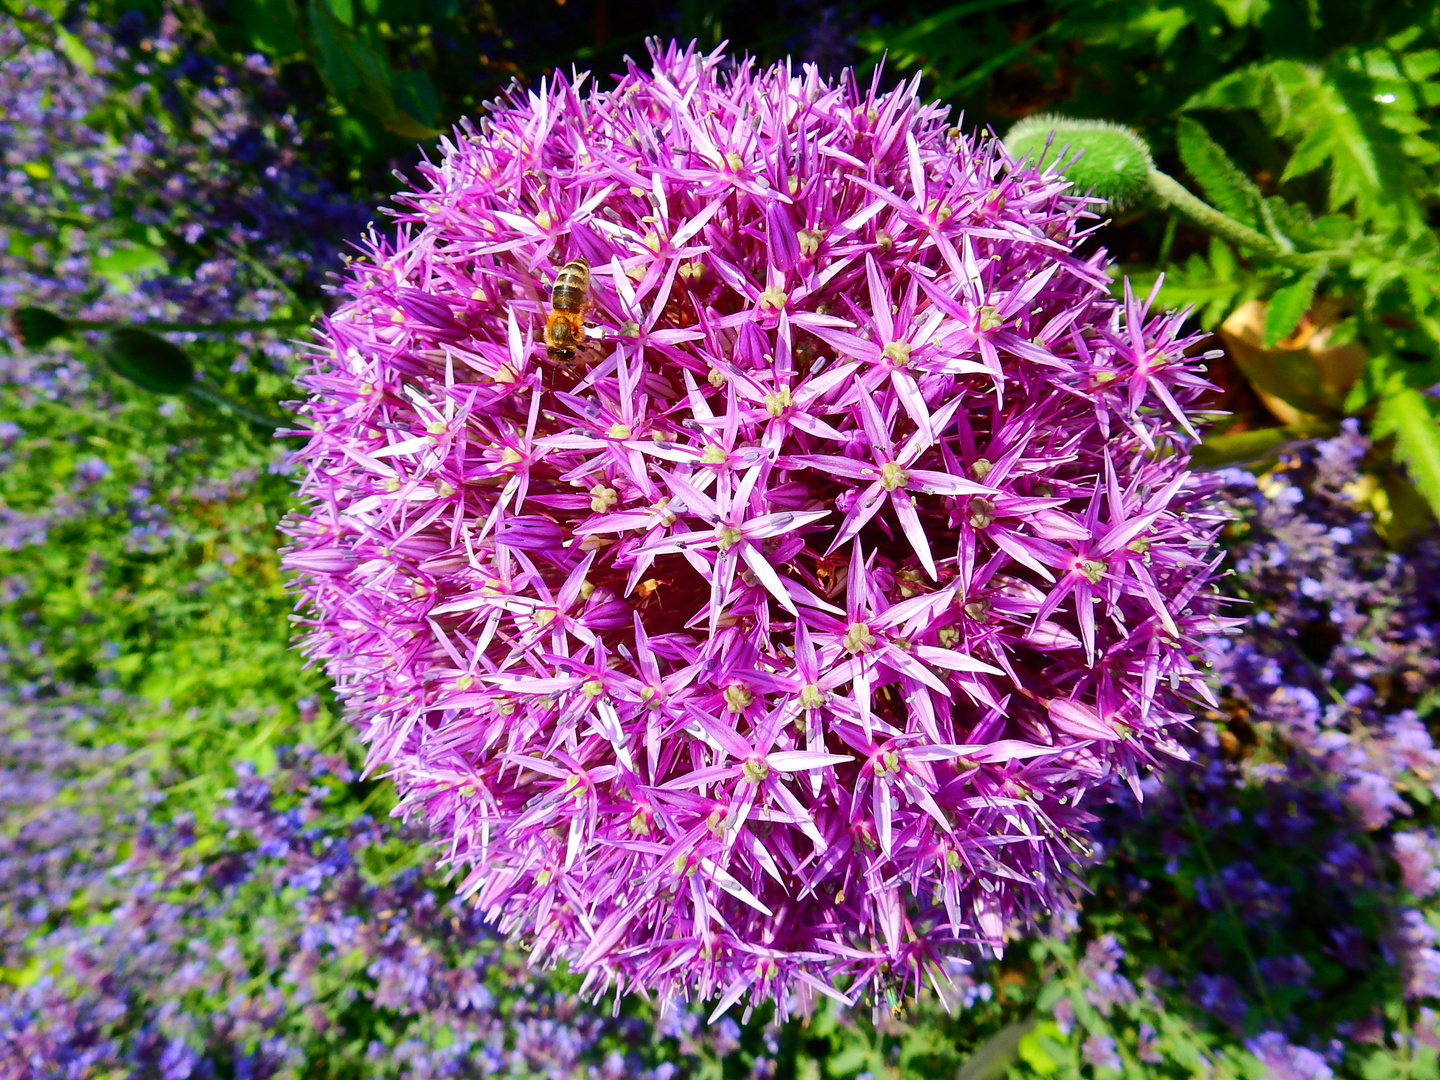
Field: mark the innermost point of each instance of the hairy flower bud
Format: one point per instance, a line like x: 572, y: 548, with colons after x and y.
x: 1101, y: 158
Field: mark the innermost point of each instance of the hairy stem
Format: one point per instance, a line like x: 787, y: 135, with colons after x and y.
x: 215, y: 397
x: 1170, y: 193
x: 230, y: 327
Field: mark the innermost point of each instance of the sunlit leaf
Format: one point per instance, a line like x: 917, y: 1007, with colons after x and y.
x: 1411, y: 417
x: 1222, y: 181
x: 1288, y: 306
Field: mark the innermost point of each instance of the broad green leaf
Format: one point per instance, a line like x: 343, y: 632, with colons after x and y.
x: 147, y: 360
x: 416, y: 95
x: 1288, y: 306
x: 352, y: 71
x: 1401, y: 512
x: 1222, y: 181
x: 1243, y: 12
x: 921, y: 33
x: 1411, y: 417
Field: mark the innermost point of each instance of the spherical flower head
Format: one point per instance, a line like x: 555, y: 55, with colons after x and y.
x: 766, y: 642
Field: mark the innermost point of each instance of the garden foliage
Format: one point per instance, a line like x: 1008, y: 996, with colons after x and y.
x: 1308, y: 125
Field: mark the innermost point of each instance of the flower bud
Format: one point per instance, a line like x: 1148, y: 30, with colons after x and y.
x: 529, y: 532
x: 1102, y: 158
x: 150, y: 362
x: 34, y: 327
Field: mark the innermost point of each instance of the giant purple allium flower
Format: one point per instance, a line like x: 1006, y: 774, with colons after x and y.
x: 770, y: 645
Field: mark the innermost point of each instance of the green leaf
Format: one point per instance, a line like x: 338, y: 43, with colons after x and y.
x: 1333, y: 132
x: 1031, y: 1048
x: 124, y: 264
x: 75, y: 50
x: 1214, y: 287
x: 1243, y: 89
x: 1410, y: 416
x: 1332, y: 115
x: 416, y: 95
x: 1288, y: 306
x: 1222, y: 181
x: 271, y: 26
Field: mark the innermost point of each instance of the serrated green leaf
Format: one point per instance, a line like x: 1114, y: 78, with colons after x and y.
x: 1411, y: 417
x: 1288, y: 306
x: 1222, y: 181
x: 1347, y: 117
x: 1312, y: 152
x: 1243, y: 89
x: 1223, y: 260
x: 1214, y: 287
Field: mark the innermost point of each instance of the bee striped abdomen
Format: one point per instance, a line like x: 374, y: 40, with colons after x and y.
x: 572, y: 287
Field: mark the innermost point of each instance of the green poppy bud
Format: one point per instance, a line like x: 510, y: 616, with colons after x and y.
x: 148, y: 361
x: 34, y: 327
x: 1115, y: 163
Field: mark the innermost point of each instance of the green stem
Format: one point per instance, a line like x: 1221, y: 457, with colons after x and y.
x: 1244, y: 938
x: 1172, y: 194
x: 215, y: 397
x: 1168, y: 240
x: 230, y: 327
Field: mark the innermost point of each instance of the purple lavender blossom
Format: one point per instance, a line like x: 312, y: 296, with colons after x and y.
x: 1101, y: 1052
x: 1101, y: 966
x: 1284, y: 1061
x: 1221, y: 996
x: 166, y: 984
x: 1418, y: 854
x: 1255, y: 899
x: 777, y: 639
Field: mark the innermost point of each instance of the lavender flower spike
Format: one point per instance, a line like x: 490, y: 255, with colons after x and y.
x: 770, y: 646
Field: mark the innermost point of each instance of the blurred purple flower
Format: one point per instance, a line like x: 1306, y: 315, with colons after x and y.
x: 1284, y: 1061
x: 1220, y: 996
x: 1101, y: 1052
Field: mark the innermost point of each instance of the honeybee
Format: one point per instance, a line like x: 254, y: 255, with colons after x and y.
x: 565, y: 325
